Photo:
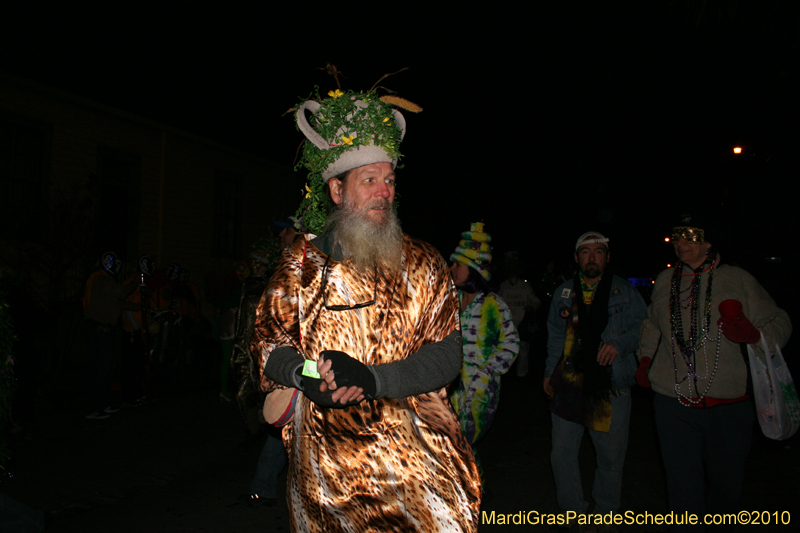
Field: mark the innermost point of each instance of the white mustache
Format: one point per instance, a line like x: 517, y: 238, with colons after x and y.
x: 379, y: 204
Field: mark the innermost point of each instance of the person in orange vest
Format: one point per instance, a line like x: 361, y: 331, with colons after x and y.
x: 103, y: 304
x: 134, y: 375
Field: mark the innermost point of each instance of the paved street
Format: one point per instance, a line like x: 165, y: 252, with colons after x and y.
x: 177, y: 465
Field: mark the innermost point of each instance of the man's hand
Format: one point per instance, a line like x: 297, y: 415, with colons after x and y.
x: 343, y: 395
x: 323, y: 390
x: 548, y: 389
x: 607, y: 354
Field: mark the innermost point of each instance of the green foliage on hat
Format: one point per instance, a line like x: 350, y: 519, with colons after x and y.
x: 347, y: 126
x: 313, y: 208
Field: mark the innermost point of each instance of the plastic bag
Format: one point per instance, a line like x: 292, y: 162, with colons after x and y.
x: 775, y: 394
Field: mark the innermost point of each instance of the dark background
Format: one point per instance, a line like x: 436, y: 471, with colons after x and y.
x: 544, y: 121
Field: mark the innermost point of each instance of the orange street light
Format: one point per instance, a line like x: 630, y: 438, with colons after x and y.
x: 737, y: 149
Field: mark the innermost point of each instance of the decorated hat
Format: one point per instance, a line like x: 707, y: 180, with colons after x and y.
x: 147, y: 265
x: 110, y: 263
x: 346, y: 130
x: 349, y: 130
x: 474, y: 250
x: 173, y: 271
x: 696, y: 226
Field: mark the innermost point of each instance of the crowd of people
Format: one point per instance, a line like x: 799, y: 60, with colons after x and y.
x: 362, y: 327
x: 375, y: 368
x: 145, y: 334
x: 140, y: 328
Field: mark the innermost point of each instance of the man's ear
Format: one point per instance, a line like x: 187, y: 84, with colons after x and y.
x: 335, y: 187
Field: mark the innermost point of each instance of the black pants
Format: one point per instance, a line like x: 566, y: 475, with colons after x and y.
x: 103, y: 355
x: 704, y: 446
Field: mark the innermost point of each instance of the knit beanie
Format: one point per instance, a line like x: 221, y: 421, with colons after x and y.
x: 474, y: 250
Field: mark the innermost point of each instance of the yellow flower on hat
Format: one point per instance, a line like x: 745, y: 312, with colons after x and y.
x: 347, y: 140
x: 386, y: 119
x: 308, y: 194
x: 335, y: 94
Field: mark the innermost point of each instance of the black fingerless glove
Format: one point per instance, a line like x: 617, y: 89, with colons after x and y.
x: 349, y: 372
x: 310, y: 387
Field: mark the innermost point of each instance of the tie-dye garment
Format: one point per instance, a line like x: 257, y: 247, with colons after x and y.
x: 490, y: 347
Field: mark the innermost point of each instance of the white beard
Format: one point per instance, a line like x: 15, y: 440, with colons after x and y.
x: 366, y: 242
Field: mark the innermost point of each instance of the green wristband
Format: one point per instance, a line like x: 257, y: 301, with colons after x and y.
x: 310, y: 369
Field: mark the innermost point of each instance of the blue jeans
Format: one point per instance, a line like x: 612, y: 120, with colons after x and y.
x: 610, y: 447
x: 270, y: 463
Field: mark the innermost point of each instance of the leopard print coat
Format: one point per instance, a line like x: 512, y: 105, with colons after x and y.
x: 380, y: 465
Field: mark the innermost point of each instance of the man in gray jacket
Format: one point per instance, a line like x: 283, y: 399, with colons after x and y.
x: 593, y: 333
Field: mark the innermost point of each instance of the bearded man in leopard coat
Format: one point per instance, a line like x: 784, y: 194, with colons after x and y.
x: 364, y: 321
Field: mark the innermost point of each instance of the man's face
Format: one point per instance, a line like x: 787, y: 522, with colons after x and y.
x: 592, y: 259
x: 369, y: 190
x: 287, y: 236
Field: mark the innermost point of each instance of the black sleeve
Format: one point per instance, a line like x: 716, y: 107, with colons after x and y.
x: 434, y: 366
x: 282, y: 366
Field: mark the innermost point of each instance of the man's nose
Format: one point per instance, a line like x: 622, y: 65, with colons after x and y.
x: 382, y: 190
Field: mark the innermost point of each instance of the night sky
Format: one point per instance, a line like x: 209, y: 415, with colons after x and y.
x: 543, y: 122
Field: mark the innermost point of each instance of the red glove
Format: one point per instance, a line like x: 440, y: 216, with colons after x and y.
x: 735, y: 325
x: 641, y: 374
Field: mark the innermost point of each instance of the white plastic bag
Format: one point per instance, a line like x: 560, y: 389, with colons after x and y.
x: 776, y: 399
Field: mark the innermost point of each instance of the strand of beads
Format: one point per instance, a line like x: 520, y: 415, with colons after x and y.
x: 689, y: 401
x: 698, y: 331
